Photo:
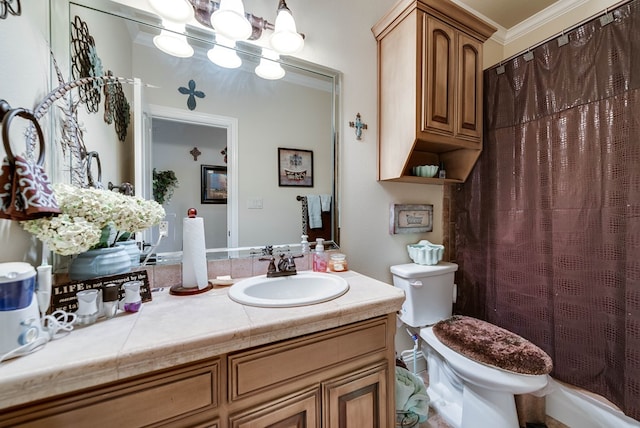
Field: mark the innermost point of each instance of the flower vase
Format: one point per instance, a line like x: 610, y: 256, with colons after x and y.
x: 131, y: 247
x: 99, y: 262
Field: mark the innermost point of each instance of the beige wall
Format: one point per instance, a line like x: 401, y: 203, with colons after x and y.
x: 24, y: 81
x: 548, y: 28
x: 338, y: 35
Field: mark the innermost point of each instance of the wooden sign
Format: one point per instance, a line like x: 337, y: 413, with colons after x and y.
x: 411, y: 218
x: 64, y: 295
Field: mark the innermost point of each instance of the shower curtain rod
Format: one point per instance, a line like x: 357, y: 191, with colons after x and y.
x: 563, y: 32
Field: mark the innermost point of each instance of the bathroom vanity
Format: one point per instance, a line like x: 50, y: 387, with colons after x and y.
x: 206, y: 360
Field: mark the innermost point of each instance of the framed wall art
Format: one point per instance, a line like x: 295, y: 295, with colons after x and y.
x: 411, y: 218
x: 295, y: 167
x: 214, y: 184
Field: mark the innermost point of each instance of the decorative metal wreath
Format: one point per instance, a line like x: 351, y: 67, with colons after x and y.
x: 85, y: 63
x: 116, y: 108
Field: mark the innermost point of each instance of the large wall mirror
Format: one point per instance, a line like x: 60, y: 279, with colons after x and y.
x: 189, y: 113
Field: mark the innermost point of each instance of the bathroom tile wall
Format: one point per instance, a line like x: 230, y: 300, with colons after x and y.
x: 171, y: 274
x: 168, y: 275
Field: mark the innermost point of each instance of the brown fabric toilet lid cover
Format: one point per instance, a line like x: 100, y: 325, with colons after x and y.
x: 492, y: 345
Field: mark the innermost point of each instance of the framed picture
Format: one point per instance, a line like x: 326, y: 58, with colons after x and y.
x: 295, y: 167
x: 411, y: 218
x: 213, y: 182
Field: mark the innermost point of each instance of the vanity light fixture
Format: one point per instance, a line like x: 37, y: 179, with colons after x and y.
x: 231, y: 21
x: 172, y: 40
x: 285, y: 38
x: 224, y: 53
x: 173, y: 10
x: 269, y: 67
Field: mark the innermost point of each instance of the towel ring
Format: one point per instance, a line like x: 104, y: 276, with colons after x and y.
x: 7, y: 114
x: 90, y: 181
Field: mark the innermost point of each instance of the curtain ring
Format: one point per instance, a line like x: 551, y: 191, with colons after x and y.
x: 6, y: 121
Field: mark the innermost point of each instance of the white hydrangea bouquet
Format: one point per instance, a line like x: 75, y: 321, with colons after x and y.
x: 89, y: 217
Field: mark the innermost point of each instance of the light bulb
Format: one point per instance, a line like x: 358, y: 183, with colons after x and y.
x: 175, y: 10
x: 269, y: 68
x: 171, y: 42
x: 230, y: 20
x: 285, y: 38
x: 224, y: 53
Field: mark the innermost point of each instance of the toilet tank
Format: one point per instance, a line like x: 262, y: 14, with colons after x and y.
x: 429, y: 291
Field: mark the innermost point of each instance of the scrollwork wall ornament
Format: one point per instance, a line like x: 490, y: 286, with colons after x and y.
x: 7, y: 7
x: 85, y: 63
x: 116, y: 108
x: 71, y: 138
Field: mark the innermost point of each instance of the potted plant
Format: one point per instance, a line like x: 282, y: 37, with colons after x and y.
x: 164, y: 182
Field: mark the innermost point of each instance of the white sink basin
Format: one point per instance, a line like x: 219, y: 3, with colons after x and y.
x: 304, y: 288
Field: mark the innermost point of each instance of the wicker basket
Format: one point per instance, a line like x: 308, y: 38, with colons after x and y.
x: 406, y: 419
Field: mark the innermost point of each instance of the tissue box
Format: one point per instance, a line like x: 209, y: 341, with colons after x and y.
x: 425, y: 253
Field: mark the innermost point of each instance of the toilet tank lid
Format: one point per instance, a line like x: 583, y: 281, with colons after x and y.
x: 414, y: 270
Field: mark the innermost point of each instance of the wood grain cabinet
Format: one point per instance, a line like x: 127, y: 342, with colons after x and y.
x: 358, y: 400
x: 430, y: 89
x: 337, y: 378
x: 167, y: 397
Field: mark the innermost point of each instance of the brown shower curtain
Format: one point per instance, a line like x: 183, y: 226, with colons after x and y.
x: 548, y: 223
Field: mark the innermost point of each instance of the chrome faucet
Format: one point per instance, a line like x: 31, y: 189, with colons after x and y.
x: 286, y: 266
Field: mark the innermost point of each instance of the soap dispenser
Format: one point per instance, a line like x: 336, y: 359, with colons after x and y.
x: 304, y: 244
x: 320, y: 257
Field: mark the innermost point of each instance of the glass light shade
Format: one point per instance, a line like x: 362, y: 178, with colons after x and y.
x: 230, y: 20
x: 285, y: 38
x: 269, y: 68
x: 172, y: 43
x: 175, y: 10
x: 224, y: 53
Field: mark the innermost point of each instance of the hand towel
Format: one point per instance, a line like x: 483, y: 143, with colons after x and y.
x: 411, y: 394
x: 325, y: 203
x: 314, y: 209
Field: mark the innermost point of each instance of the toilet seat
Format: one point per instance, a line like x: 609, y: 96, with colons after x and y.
x: 494, y: 346
x: 481, y: 374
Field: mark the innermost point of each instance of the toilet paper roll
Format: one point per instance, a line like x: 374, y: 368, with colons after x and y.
x: 194, y: 256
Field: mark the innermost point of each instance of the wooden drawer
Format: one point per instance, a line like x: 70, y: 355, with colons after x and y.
x: 297, y: 410
x: 150, y: 400
x: 257, y: 370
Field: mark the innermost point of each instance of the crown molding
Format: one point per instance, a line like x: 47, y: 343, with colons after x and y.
x: 541, y: 18
x: 505, y: 36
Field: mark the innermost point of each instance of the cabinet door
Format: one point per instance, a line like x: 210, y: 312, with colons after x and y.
x: 294, y: 411
x: 359, y: 400
x: 438, y: 77
x: 469, y: 123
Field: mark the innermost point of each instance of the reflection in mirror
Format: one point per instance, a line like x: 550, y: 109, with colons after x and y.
x: 180, y: 104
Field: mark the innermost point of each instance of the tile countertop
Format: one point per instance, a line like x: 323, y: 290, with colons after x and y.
x: 172, y: 330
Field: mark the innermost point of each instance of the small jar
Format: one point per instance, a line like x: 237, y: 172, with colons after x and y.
x: 338, y: 262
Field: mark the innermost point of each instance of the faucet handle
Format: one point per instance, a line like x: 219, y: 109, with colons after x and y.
x: 272, y: 263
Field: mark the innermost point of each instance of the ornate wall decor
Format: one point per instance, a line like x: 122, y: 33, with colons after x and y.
x: 359, y: 125
x: 8, y: 8
x: 116, y: 107
x: 191, y: 91
x: 85, y: 63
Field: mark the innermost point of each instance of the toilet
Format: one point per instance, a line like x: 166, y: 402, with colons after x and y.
x: 465, y: 393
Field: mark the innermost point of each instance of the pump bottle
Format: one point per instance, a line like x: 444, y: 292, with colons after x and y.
x: 320, y: 257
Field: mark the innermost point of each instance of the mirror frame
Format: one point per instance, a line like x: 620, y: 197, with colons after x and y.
x: 60, y: 45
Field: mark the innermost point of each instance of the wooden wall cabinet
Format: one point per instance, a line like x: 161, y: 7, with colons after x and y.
x: 430, y: 89
x: 337, y: 378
